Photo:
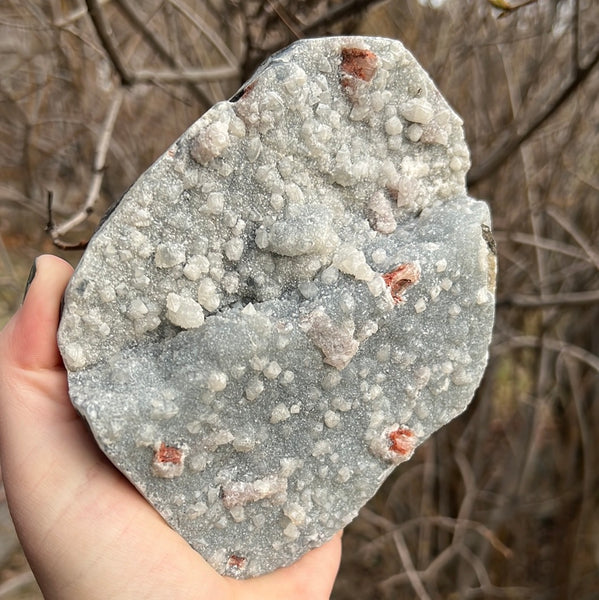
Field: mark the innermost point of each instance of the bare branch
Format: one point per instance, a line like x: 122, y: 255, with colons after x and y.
x: 477, y: 566
x: 487, y: 589
x: 516, y: 134
x: 540, y: 242
x: 8, y: 194
x: 159, y: 49
x: 562, y: 299
x: 576, y: 233
x: 441, y: 560
x: 530, y: 341
x: 186, y: 76
x: 99, y: 166
x: 209, y: 32
x: 15, y: 583
x: 448, y: 523
x: 338, y: 13
x: 332, y: 17
x: 75, y: 15
x: 576, y: 34
x: 411, y: 572
x: 510, y: 592
x: 285, y: 19
x: 97, y: 17
x: 5, y: 259
x: 588, y: 449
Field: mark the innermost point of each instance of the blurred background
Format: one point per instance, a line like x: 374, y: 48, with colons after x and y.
x: 504, y: 501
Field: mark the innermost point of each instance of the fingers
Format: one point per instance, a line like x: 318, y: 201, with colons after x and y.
x: 31, y: 334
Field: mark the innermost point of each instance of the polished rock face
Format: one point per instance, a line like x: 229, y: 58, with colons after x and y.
x: 287, y: 303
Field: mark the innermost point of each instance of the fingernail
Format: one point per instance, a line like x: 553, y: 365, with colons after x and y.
x: 30, y: 278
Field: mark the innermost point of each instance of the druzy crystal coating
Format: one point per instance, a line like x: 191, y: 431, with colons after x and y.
x: 286, y: 303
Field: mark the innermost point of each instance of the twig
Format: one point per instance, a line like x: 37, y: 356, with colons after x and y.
x: 510, y: 592
x: 487, y: 588
x: 533, y: 423
x: 186, y: 76
x: 209, y: 32
x: 576, y: 233
x: 159, y: 49
x: 466, y: 506
x: 562, y: 299
x: 513, y: 138
x: 8, y: 194
x: 406, y: 559
x: 49, y: 205
x: 6, y: 260
x: 74, y: 16
x: 471, y: 489
x: 16, y: 583
x: 448, y: 523
x: 285, y: 19
x: 99, y: 166
x: 338, y: 13
x: 50, y: 229
x: 441, y: 560
x: 377, y: 520
x: 427, y: 494
x: 540, y: 242
x: 477, y: 566
x: 179, y: 75
x: 587, y: 449
x: 530, y: 341
x: 582, y: 177
x: 97, y: 17
x: 576, y: 34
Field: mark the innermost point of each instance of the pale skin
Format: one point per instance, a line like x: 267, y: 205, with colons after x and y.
x: 86, y: 531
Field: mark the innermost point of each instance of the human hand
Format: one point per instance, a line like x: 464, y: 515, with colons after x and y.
x: 85, y: 529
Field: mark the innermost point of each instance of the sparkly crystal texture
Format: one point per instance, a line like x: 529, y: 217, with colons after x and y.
x: 287, y: 303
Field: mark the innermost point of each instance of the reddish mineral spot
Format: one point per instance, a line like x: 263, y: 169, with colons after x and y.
x: 168, y: 454
x: 402, y: 441
x: 237, y: 562
x: 358, y: 63
x: 400, y: 279
x: 248, y: 89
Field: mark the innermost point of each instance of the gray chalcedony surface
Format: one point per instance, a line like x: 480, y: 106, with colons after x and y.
x: 287, y: 303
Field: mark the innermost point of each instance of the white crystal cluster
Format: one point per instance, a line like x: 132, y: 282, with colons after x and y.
x: 289, y: 301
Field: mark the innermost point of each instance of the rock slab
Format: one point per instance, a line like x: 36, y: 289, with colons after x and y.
x: 286, y: 303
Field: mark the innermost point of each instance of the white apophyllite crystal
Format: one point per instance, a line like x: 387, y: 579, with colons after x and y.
x: 210, y: 142
x: 417, y: 110
x: 184, y: 312
x: 208, y: 295
x: 169, y: 255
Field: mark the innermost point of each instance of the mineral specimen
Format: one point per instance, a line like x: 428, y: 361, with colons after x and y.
x: 287, y: 303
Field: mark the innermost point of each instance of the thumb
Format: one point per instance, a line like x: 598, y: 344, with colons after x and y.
x: 30, y: 341
x: 312, y: 576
